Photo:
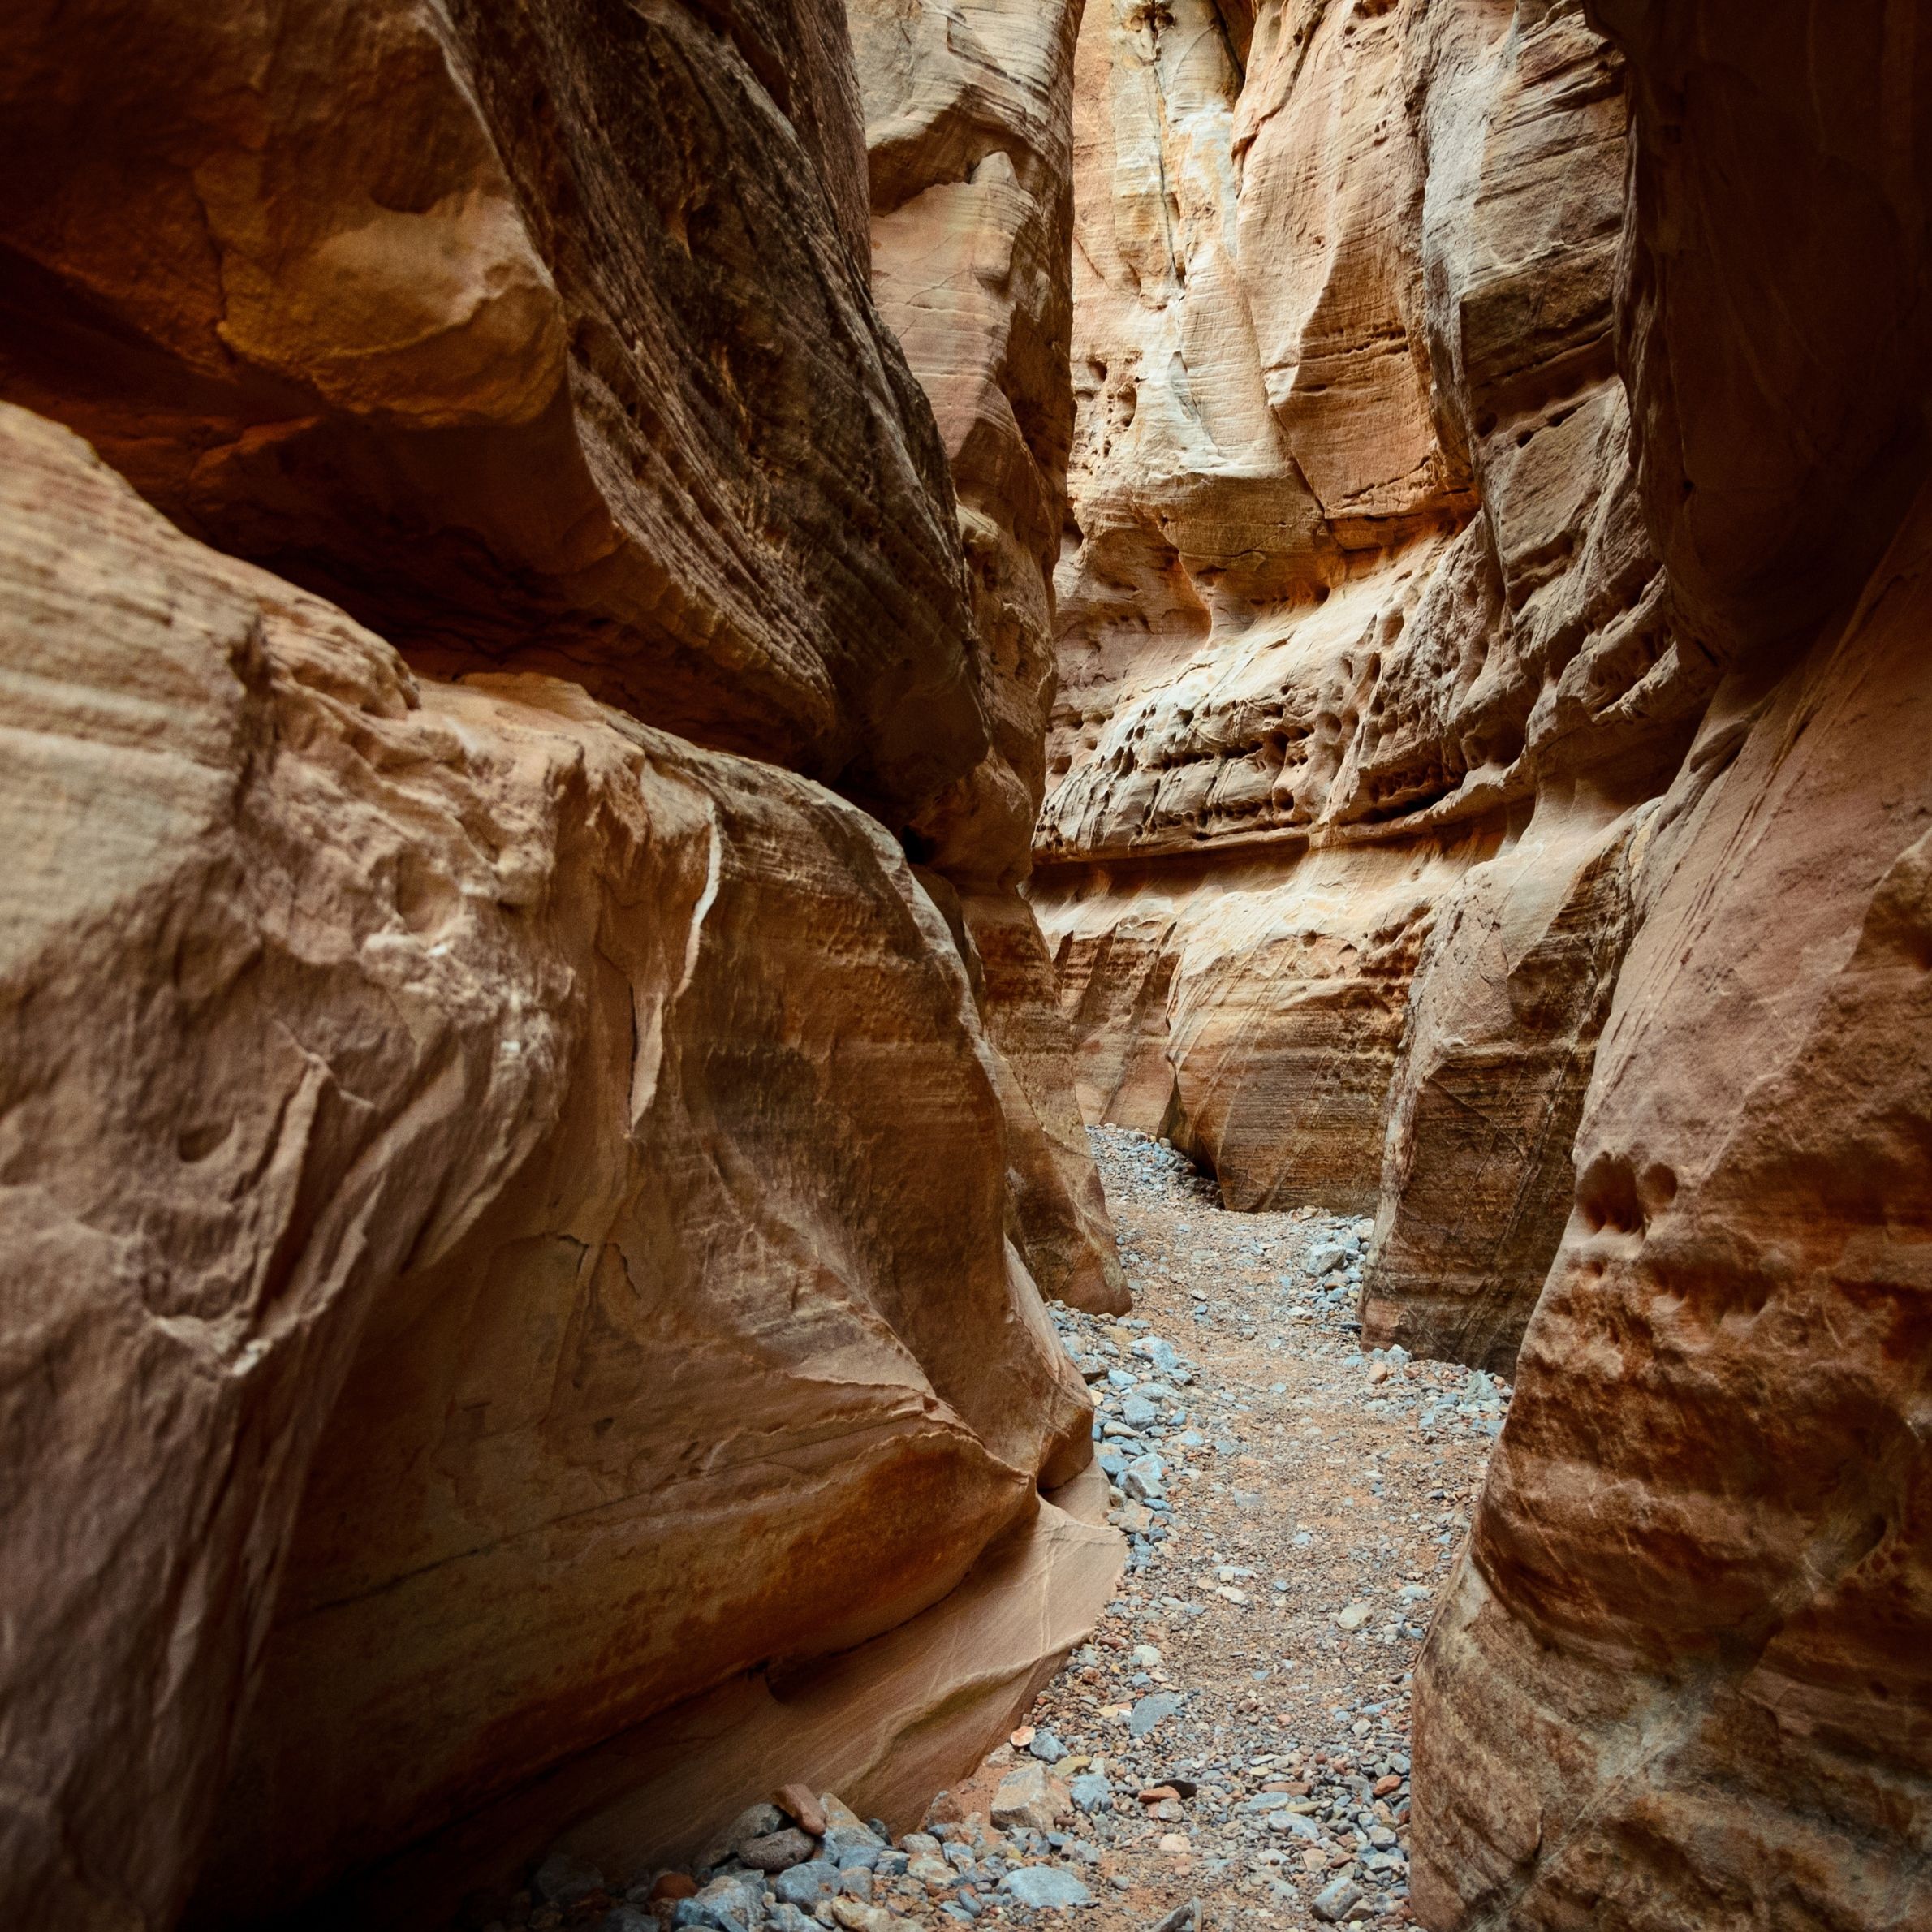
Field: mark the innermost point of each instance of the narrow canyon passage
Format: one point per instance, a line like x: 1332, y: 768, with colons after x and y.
x: 1295, y: 1506
x: 966, y: 960
x: 1231, y: 1745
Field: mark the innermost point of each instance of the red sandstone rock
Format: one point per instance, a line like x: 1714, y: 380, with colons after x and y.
x: 507, y: 1175
x: 1281, y: 752
x: 1682, y: 1678
x: 536, y: 336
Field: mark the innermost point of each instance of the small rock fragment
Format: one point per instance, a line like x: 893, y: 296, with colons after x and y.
x: 1045, y: 1888
x: 804, y: 1885
x: 1153, y: 1710
x: 777, y: 1851
x: 1029, y: 1799
x: 797, y: 1801
x: 1333, y: 1902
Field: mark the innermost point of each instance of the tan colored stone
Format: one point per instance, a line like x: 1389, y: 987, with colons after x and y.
x: 1700, y: 1547
x: 1364, y: 255
x: 1509, y: 998
x: 797, y: 1801
x: 1681, y: 1676
x: 969, y: 129
x: 888, y: 1724
x: 1029, y: 1798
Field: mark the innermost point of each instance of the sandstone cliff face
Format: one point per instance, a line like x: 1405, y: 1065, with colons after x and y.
x: 968, y: 108
x: 534, y: 335
x: 1362, y: 634
x: 489, y: 1151
x: 1682, y: 1679
x: 525, y: 1224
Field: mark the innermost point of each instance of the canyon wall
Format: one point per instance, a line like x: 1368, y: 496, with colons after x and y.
x: 1682, y: 1676
x: 524, y: 1224
x: 1490, y: 784
x: 1366, y: 677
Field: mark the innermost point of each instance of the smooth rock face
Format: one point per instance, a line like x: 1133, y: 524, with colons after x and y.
x: 1511, y: 996
x: 969, y: 107
x: 424, y: 1098
x: 1360, y: 594
x: 1683, y: 1677
x: 534, y: 336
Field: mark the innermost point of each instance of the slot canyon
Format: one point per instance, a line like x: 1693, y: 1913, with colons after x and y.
x: 966, y: 962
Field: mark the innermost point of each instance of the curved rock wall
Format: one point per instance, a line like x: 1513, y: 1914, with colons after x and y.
x: 1682, y: 1677
x: 534, y: 335
x: 526, y: 1226
x: 969, y: 107
x: 1362, y: 637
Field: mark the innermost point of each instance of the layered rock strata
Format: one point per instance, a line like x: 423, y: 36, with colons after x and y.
x: 1360, y: 625
x: 1682, y: 1679
x: 551, y: 1163
x: 513, y: 1166
x: 535, y: 336
x: 968, y: 110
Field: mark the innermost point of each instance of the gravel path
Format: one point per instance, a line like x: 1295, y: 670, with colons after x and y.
x: 1232, y: 1749
x: 1308, y: 1507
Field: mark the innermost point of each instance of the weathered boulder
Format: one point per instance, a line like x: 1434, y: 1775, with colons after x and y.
x: 536, y: 336
x: 487, y: 1175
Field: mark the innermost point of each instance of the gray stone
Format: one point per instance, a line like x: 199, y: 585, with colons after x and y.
x: 755, y: 1820
x: 1093, y: 1791
x: 628, y: 1918
x: 1046, y: 1748
x: 1152, y: 1710
x: 804, y: 1885
x: 855, y: 1881
x: 785, y: 1918
x: 1144, y: 1477
x: 1332, y: 1903
x: 777, y: 1851
x: 1045, y: 1887
x: 562, y: 1880
x: 1295, y: 1825
x: 732, y: 1902
x: 1137, y: 1412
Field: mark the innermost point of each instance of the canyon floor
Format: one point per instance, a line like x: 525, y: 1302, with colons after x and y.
x: 1232, y: 1747
x: 1257, y: 1662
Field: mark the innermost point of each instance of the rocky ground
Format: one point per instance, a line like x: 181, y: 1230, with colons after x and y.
x: 1232, y: 1747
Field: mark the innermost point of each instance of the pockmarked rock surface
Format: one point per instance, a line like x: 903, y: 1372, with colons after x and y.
x: 1681, y: 1677
x: 537, y: 337
x: 1358, y: 610
x: 453, y: 1229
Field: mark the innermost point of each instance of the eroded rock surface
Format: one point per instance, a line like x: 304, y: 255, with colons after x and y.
x: 1682, y: 1677
x: 488, y: 1173
x: 1359, y: 602
x: 968, y: 108
x: 534, y: 335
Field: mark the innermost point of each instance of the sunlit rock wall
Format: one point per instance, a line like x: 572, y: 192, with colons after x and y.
x: 1361, y: 633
